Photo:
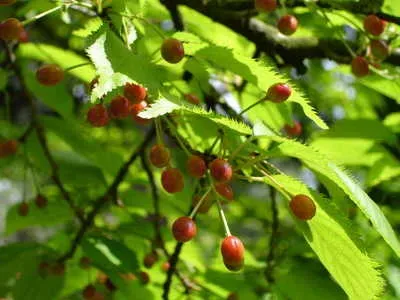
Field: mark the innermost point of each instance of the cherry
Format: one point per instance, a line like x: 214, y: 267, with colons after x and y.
x: 110, y: 285
x: 43, y: 269
x: 302, y: 207
x: 293, y: 130
x: 11, y: 29
x: 374, y: 25
x: 144, y: 277
x: 8, y: 148
x: 196, y: 166
x: 136, y: 109
x: 23, y: 37
x: 172, y: 50
x: 265, y: 5
x: 85, y: 262
x: 49, y: 75
x: 379, y: 49
x: 172, y: 180
x: 97, y: 115
x: 221, y: 170
x: 88, y: 292
x: 192, y: 98
x: 359, y: 66
x: 278, y: 92
x: 150, y: 259
x: 205, y: 206
x: 232, y: 251
x: 134, y: 92
x: 159, y: 156
x: 58, y: 269
x: 225, y: 190
x: 41, y: 201
x: 184, y: 229
x: 165, y: 266
x: 120, y: 107
x: 287, y: 25
x: 23, y: 209
x: 7, y: 2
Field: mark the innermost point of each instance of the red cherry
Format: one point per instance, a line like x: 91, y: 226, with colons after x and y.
x: 287, y: 25
x: 11, y: 29
x: 58, y: 269
x: 205, y: 206
x: 302, y: 207
x: 165, y: 266
x: 196, y: 166
x: 144, y: 277
x: 49, y: 75
x: 232, y: 251
x: 134, y: 92
x: 221, y: 170
x: 41, y: 201
x: 23, y: 37
x: 88, y: 292
x: 110, y: 285
x: 120, y: 107
x: 136, y: 109
x: 265, y: 5
x: 172, y: 50
x: 374, y: 25
x: 97, y: 115
x: 191, y: 98
x: 23, y: 209
x: 159, y: 156
x: 379, y: 49
x: 8, y: 148
x: 172, y: 180
x: 278, y: 92
x: 225, y: 190
x: 293, y: 130
x: 184, y: 229
x: 359, y: 66
x: 150, y: 259
x: 7, y: 2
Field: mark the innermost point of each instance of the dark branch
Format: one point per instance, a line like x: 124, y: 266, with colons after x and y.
x: 172, y: 262
x: 273, y: 239
x: 175, y: 14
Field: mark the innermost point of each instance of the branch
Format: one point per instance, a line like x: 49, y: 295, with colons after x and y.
x: 175, y: 14
x: 172, y: 262
x: 273, y: 239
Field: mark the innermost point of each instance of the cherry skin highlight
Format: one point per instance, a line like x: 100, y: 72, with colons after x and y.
x: 8, y: 148
x: 165, y: 266
x: 184, y: 229
x: 120, y: 107
x: 359, y: 66
x: 172, y: 180
x: 41, y: 201
x: 49, y: 75
x: 88, y: 292
x: 287, y: 25
x: 205, y: 206
x: 278, y: 92
x: 196, y: 166
x: 374, y: 25
x: 379, y: 49
x: 303, y: 207
x: 134, y: 92
x: 232, y: 251
x: 23, y: 209
x: 221, y: 170
x: 97, y: 115
x: 225, y: 190
x: 10, y: 29
x: 172, y: 50
x: 293, y: 130
x: 136, y: 109
x: 265, y: 5
x: 159, y: 156
x: 191, y: 98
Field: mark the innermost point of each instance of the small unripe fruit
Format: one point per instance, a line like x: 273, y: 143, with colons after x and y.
x: 165, y: 266
x: 225, y: 190
x: 232, y: 251
x: 293, y: 130
x: 303, y: 207
x: 11, y: 29
x: 134, y: 92
x: 172, y: 50
x: 23, y: 209
x: 172, y: 180
x: 191, y: 98
x: 85, y: 262
x: 159, y: 156
x: 110, y: 285
x: 150, y: 259
x: 359, y: 66
x: 6, y: 2
x: 49, y: 75
x: 196, y: 166
x: 144, y: 277
x: 41, y: 201
x: 88, y: 292
x: 136, y: 109
x: 287, y: 25
x: 23, y: 37
x: 205, y: 206
x: 278, y: 92
x: 120, y: 107
x: 97, y: 115
x: 184, y: 229
x: 265, y: 5
x: 8, y: 148
x: 379, y: 49
x: 58, y: 269
x: 374, y: 25
x: 221, y: 170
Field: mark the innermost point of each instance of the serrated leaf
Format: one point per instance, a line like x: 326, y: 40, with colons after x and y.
x: 89, y: 27
x: 159, y: 108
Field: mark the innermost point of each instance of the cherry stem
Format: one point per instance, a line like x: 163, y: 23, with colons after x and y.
x: 252, y: 105
x: 196, y: 208
x: 270, y: 177
x: 41, y: 15
x: 220, y: 210
x: 155, y: 28
x: 251, y: 162
x: 241, y: 146
x: 178, y: 138
x: 77, y: 66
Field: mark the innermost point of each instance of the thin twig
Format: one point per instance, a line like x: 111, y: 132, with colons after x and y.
x: 172, y: 267
x: 273, y: 238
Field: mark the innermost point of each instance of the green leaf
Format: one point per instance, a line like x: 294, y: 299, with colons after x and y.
x: 389, y: 88
x: 89, y: 27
